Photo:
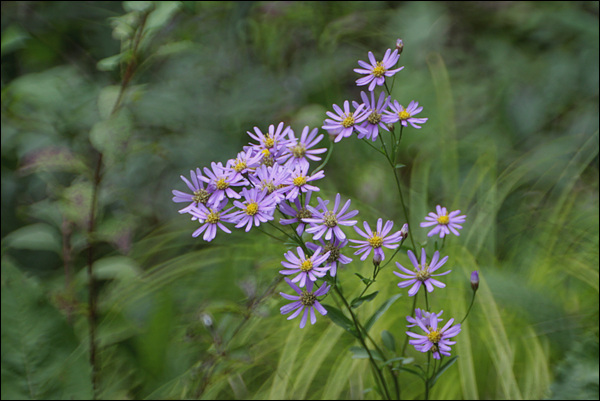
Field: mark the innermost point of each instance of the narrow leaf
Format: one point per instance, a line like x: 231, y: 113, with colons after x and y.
x: 379, y: 312
x: 444, y: 367
x: 388, y: 340
x: 340, y: 319
x: 365, y: 298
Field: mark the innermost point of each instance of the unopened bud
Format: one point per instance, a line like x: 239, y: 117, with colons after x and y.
x: 475, y: 280
x: 399, y: 45
x: 377, y: 259
x: 404, y: 231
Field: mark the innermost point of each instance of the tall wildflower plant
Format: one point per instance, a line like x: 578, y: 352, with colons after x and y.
x: 273, y: 182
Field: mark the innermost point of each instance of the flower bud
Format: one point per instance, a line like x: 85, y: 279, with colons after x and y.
x: 376, y: 259
x: 404, y: 231
x: 399, y: 45
x: 475, y: 280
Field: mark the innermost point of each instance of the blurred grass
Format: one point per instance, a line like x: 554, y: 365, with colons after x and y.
x: 511, y: 93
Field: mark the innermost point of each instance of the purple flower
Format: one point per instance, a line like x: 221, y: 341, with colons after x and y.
x: 258, y: 207
x: 220, y: 180
x: 299, y: 150
x: 272, y: 141
x: 299, y: 213
x: 377, y: 70
x: 298, y: 181
x: 306, y: 267
x: 306, y: 301
x: 443, y: 222
x: 211, y: 218
x: 405, y: 116
x: 375, y: 115
x: 273, y: 179
x: 345, y: 122
x: 422, y: 273
x: 334, y: 248
x: 327, y: 222
x: 436, y: 340
x: 246, y: 161
x: 423, y: 316
x: 376, y: 240
x: 199, y: 193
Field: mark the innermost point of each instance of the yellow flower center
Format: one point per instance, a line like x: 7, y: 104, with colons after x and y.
x: 201, y: 196
x: 404, y: 115
x: 376, y: 241
x: 330, y: 219
x: 269, y: 186
x: 423, y: 273
x: 303, y: 213
x: 348, y: 121
x: 299, y: 181
x: 434, y: 336
x: 240, y: 165
x: 269, y: 142
x: 298, y: 151
x: 306, y: 265
x: 334, y: 252
x: 443, y: 220
x: 213, y: 217
x: 251, y: 209
x: 378, y: 71
x: 222, y: 184
x: 374, y: 118
x: 307, y: 298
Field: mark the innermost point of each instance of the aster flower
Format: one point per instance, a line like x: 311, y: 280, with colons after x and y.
x: 298, y: 213
x: 272, y: 143
x: 211, y: 218
x: 376, y: 240
x: 405, y: 116
x: 436, y: 340
x: 306, y: 301
x: 345, y: 122
x: 327, y: 222
x: 306, y: 267
x: 246, y: 161
x: 377, y: 70
x: 375, y: 115
x: 273, y: 179
x: 444, y: 223
x: 220, y: 180
x: 334, y: 248
x: 298, y: 181
x: 258, y: 207
x: 199, y: 193
x: 299, y: 150
x: 423, y: 316
x: 422, y: 273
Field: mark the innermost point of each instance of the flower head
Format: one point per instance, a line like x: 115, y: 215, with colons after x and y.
x: 375, y: 111
x: 377, y: 70
x: 422, y: 273
x: 423, y: 316
x: 327, y: 222
x: 220, y: 180
x: 435, y: 340
x: 246, y: 161
x: 376, y: 240
x: 306, y: 301
x: 397, y: 113
x: 334, y: 247
x: 298, y: 213
x: 257, y: 207
x: 273, y: 179
x: 211, y: 218
x: 299, y: 152
x: 299, y: 181
x: 444, y: 223
x: 306, y: 266
x: 199, y: 194
x: 345, y: 122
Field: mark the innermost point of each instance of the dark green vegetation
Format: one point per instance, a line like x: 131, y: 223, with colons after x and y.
x: 511, y: 92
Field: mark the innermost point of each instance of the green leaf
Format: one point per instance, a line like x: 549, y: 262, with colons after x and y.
x: 388, y: 340
x: 399, y: 165
x: 116, y: 268
x: 111, y: 136
x: 441, y: 371
x: 356, y: 302
x: 379, y: 312
x: 35, y: 237
x: 364, y: 279
x: 412, y: 371
x: 404, y: 360
x: 340, y: 319
x: 13, y: 38
x: 361, y: 353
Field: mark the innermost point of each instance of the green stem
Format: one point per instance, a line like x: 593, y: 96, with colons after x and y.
x: 412, y: 314
x: 329, y: 152
x: 470, y: 306
x: 426, y: 299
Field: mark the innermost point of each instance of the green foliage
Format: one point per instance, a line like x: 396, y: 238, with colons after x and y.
x: 511, y: 93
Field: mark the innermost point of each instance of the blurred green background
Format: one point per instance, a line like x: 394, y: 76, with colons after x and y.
x: 511, y: 93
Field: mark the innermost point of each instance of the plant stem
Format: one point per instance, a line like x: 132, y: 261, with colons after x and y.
x: 470, y: 306
x: 412, y: 314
